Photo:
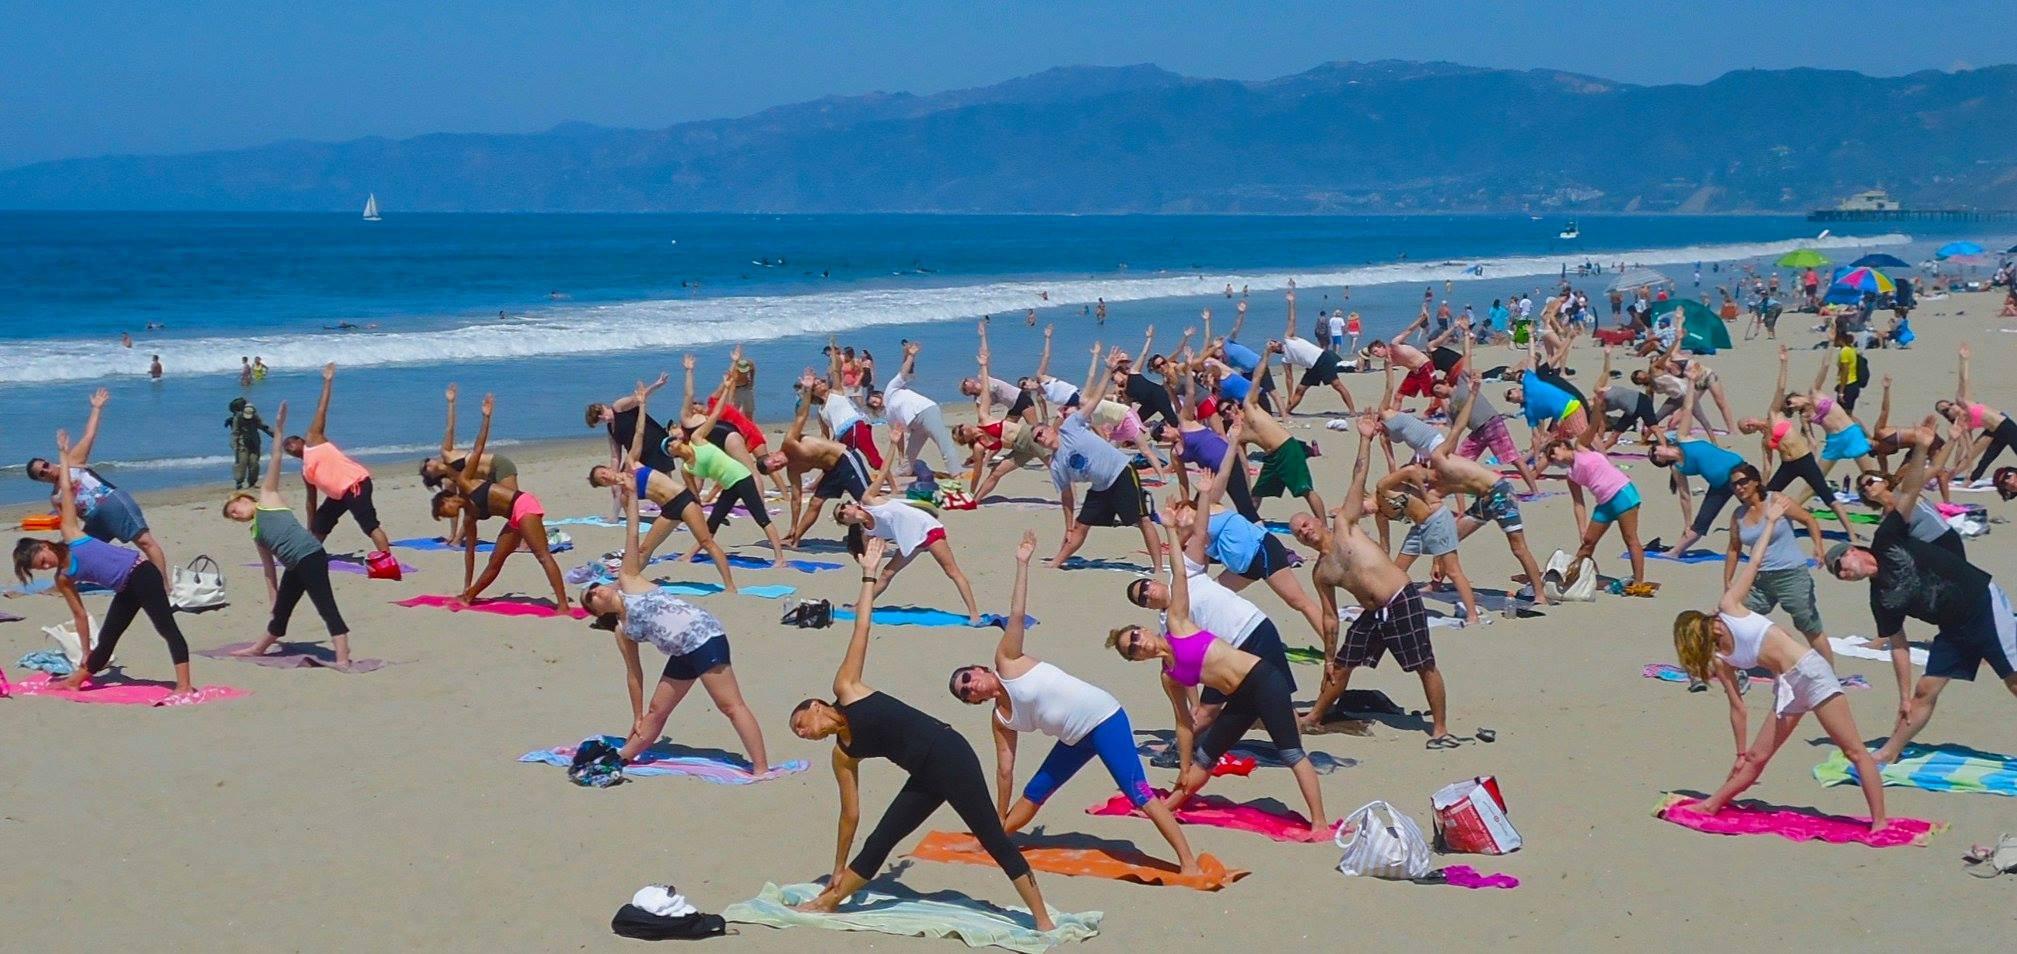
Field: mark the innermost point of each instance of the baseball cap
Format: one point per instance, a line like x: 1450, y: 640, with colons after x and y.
x: 1833, y: 561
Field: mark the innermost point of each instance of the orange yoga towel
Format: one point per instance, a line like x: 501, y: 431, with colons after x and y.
x: 1119, y: 865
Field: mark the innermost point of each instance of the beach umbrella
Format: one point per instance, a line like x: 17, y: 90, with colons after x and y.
x: 1957, y: 249
x: 1866, y: 280
x: 1880, y: 260
x: 1703, y: 331
x: 2012, y: 250
x: 1639, y: 278
x: 1802, y: 258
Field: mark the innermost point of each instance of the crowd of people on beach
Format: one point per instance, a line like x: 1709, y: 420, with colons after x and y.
x: 1185, y: 448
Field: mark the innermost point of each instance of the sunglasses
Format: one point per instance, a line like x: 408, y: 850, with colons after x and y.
x: 1740, y: 479
x: 964, y: 686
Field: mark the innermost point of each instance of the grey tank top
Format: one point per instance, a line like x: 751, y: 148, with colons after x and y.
x: 283, y: 535
x: 1783, y: 553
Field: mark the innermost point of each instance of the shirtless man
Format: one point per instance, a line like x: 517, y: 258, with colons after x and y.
x: 1392, y: 619
x: 842, y: 469
x: 1287, y: 468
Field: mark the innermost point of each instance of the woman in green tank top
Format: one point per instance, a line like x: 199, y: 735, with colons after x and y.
x: 283, y: 540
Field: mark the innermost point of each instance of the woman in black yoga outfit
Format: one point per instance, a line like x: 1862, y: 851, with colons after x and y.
x: 942, y: 766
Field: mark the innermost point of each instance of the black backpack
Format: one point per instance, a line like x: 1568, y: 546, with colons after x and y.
x: 634, y: 922
x: 809, y: 614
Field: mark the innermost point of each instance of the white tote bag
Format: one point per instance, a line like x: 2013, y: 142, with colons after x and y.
x: 1384, y: 843
x: 65, y: 636
x: 1584, y: 590
x: 199, y: 586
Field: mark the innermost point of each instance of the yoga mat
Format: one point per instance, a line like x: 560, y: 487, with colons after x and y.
x: 926, y: 616
x: 1751, y: 817
x: 1489, y: 600
x: 1935, y: 768
x: 1465, y: 876
x: 741, y: 562
x: 1668, y: 672
x: 1309, y: 655
x: 1263, y: 754
x: 1696, y: 556
x: 6, y: 617
x: 1539, y: 495
x: 934, y: 915
x: 664, y: 759
x: 1863, y: 647
x: 125, y: 693
x: 689, y: 588
x: 1113, y: 864
x: 1855, y: 516
x: 294, y: 656
x: 594, y: 522
x: 1101, y: 563
x: 1215, y: 812
x: 346, y: 565
x: 501, y: 606
x: 482, y: 546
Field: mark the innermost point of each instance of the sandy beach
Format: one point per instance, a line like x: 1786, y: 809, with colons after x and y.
x: 387, y: 811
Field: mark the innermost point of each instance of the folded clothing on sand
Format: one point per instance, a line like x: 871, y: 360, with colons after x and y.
x: 50, y: 661
x: 1863, y: 648
x: 1215, y: 812
x: 295, y: 656
x: 1757, y: 818
x: 126, y: 693
x: 636, y: 923
x: 1109, y: 863
x: 663, y: 759
x: 936, y: 915
x: 502, y: 606
x: 926, y: 616
x: 1935, y: 768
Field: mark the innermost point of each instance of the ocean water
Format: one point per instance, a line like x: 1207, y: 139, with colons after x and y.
x: 553, y: 311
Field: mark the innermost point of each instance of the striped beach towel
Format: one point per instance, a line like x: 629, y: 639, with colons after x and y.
x: 1935, y: 768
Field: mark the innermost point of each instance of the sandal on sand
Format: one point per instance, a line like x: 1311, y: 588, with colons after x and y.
x: 1488, y: 735
x: 1442, y: 742
x: 1641, y: 589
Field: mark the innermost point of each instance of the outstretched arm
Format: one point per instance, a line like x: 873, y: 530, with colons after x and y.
x: 629, y: 401
x: 1353, y: 506
x: 722, y: 395
x: 1044, y: 361
x: 269, y: 489
x: 1148, y: 341
x: 1096, y: 382
x: 686, y: 363
x: 448, y: 434
x: 1821, y: 375
x: 847, y: 684
x: 1961, y: 386
x: 1010, y: 648
x: 79, y: 454
x: 67, y: 521
x: 1747, y: 574
x: 467, y: 477
x: 1911, y: 477
x: 318, y: 426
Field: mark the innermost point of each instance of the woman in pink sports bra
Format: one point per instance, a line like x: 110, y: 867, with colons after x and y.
x: 1991, y: 431
x: 524, y: 521
x: 1786, y: 437
x: 1846, y: 439
x: 1255, y: 690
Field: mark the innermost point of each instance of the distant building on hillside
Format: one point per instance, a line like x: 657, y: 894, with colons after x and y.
x: 1869, y: 200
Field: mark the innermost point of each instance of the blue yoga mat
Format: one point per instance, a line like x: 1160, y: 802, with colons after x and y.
x: 482, y: 546
x: 1082, y: 563
x: 688, y: 588
x: 926, y: 616
x: 742, y: 562
x: 1696, y: 556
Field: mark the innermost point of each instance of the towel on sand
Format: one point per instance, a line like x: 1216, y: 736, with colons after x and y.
x: 1863, y: 647
x: 501, y: 606
x: 1116, y: 864
x: 941, y: 914
x: 742, y: 562
x: 294, y: 656
x: 1162, y: 754
x: 1751, y: 817
x: 926, y: 616
x: 1668, y: 672
x: 125, y: 693
x: 560, y: 545
x: 1935, y: 768
x: 686, y: 588
x: 667, y: 759
x: 1465, y: 876
x: 1216, y: 812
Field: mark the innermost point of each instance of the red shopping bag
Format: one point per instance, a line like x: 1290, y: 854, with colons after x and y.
x: 1470, y: 817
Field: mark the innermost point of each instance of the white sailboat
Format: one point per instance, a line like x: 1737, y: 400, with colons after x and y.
x: 371, y: 207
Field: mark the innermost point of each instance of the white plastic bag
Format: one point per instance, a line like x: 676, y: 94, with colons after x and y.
x: 1584, y: 590
x: 1384, y: 843
x: 199, y: 586
x: 65, y: 636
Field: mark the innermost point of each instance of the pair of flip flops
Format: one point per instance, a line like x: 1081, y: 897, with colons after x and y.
x: 1989, y: 861
x: 1484, y: 735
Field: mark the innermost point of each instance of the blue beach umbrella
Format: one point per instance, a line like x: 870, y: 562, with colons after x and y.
x: 1880, y: 260
x: 1956, y: 249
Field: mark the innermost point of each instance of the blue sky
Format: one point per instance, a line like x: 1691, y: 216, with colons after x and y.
x: 85, y: 77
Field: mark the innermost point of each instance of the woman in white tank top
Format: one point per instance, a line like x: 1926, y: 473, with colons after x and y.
x: 1733, y: 641
x: 1031, y: 695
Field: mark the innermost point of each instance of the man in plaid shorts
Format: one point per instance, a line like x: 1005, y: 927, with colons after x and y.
x: 1391, y: 618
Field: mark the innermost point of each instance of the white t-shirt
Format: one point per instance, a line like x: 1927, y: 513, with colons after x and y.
x: 1300, y: 353
x: 1337, y: 323
x: 1218, y: 610
x: 902, y: 524
x: 1057, y: 391
x: 1056, y: 703
x: 1003, y: 393
x: 839, y: 413
x: 902, y: 404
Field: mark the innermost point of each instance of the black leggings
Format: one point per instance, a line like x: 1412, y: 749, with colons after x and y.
x: 144, y: 590
x: 1641, y: 415
x: 744, y: 492
x: 1263, y: 696
x: 1803, y: 467
x: 1241, y: 492
x: 1154, y: 400
x: 951, y: 775
x: 310, y: 576
x: 1713, y: 502
x: 2005, y: 435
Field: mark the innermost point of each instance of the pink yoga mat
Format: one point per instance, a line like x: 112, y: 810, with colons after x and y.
x: 1759, y: 818
x: 1216, y: 812
x: 124, y: 693
x: 503, y: 606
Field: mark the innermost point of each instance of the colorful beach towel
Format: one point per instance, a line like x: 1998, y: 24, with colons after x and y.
x: 1935, y: 768
x: 1668, y: 672
x: 742, y: 562
x: 1750, y: 817
x: 1114, y: 864
x: 501, y: 606
x: 926, y: 616
x: 1216, y: 812
x: 688, y: 588
x: 941, y: 914
x: 668, y: 759
x: 125, y: 693
x: 1863, y: 647
x: 294, y: 656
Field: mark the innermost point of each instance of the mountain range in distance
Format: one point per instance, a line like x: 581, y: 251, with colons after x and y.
x: 1381, y: 137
